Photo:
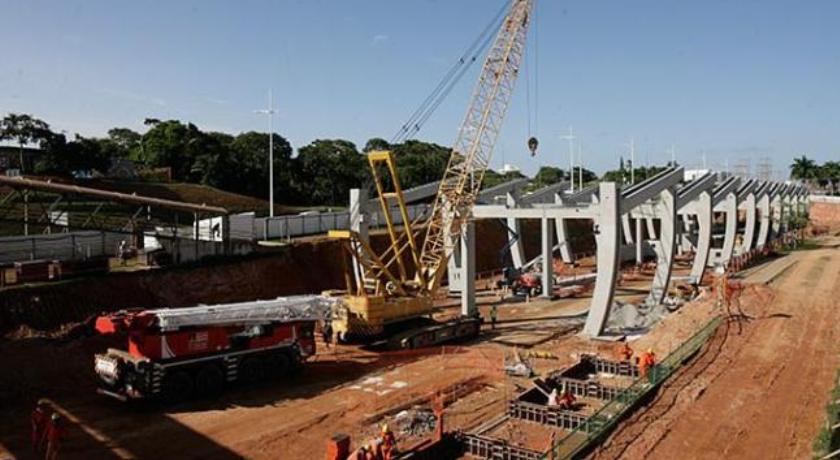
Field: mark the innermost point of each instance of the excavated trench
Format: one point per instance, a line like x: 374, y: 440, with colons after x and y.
x: 302, y: 267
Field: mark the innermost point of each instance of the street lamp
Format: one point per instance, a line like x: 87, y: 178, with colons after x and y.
x: 270, y: 112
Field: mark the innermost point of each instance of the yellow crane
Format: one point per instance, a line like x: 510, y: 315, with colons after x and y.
x: 397, y: 287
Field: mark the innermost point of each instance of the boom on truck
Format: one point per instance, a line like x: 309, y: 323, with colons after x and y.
x: 394, y: 290
x: 176, y: 353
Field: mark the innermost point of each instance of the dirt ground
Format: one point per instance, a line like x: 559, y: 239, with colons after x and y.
x: 760, y: 387
x: 738, y: 390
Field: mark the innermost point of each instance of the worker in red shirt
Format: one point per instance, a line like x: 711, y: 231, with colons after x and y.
x: 626, y: 353
x: 646, y: 362
x: 54, y: 434
x: 567, y: 399
x: 38, y: 420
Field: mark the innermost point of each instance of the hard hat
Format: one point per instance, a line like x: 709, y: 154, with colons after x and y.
x: 385, y: 428
x: 55, y: 417
x: 650, y: 350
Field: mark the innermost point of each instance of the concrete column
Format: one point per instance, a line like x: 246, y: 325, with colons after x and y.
x: 764, y: 221
x: 517, y: 254
x: 562, y: 232
x: 703, y: 210
x: 627, y: 229
x: 666, y: 210
x: 468, y: 307
x: 639, y: 241
x: 776, y: 219
x: 359, y: 223
x: 749, y: 225
x: 651, y: 229
x: 607, y: 240
x: 547, y: 258
x: 730, y: 207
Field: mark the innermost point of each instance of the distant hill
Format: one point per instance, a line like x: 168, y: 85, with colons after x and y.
x: 193, y: 193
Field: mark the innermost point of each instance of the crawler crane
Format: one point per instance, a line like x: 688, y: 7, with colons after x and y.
x: 394, y: 291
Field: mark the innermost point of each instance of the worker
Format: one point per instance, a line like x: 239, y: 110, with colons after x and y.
x: 389, y: 443
x: 39, y: 419
x: 567, y: 399
x: 646, y: 362
x: 494, y: 311
x: 54, y: 434
x: 626, y: 353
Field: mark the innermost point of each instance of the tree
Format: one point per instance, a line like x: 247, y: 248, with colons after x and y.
x: 328, y: 169
x: 804, y: 169
x: 248, y: 172
x: 548, y: 175
x: 25, y: 130
x: 126, y: 141
x: 376, y: 143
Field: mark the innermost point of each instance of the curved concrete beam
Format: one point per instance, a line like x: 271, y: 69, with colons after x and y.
x: 749, y: 225
x: 562, y: 235
x: 607, y: 240
x: 764, y: 221
x: 703, y: 210
x: 517, y: 253
x: 729, y: 206
x: 666, y: 211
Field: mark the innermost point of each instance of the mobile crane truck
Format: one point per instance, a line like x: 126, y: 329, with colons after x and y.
x: 173, y: 354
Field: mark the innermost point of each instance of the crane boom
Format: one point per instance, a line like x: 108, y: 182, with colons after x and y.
x: 474, y: 145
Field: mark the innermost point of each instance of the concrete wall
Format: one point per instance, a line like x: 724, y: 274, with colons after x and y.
x: 72, y: 245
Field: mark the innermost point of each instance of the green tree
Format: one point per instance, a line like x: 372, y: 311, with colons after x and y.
x: 376, y: 143
x: 25, y: 130
x: 127, y: 143
x: 248, y: 172
x: 328, y: 169
x: 549, y: 175
x: 804, y: 169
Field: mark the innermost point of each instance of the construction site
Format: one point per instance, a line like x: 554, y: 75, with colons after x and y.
x: 690, y: 314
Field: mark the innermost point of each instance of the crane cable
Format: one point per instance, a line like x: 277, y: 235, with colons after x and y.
x: 532, y: 71
x: 449, y: 80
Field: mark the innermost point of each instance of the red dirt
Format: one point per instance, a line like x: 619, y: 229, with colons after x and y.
x: 757, y: 393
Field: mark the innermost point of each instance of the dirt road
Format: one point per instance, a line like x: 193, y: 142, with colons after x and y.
x: 758, y: 391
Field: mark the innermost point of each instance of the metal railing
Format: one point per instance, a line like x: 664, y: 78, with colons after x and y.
x: 607, y: 417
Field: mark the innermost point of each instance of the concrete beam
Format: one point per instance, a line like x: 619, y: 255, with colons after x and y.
x: 607, y: 240
x: 562, y: 235
x: 547, y: 258
x: 666, y: 211
x: 468, y: 304
x: 646, y: 190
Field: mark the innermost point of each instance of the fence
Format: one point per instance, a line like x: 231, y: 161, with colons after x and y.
x: 315, y: 224
x: 605, y: 419
x: 64, y: 246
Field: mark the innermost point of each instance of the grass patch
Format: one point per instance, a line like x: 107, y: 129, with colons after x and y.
x: 828, y: 440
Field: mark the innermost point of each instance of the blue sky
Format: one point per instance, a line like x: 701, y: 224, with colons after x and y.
x: 734, y: 79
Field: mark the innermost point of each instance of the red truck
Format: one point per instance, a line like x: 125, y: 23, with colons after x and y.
x: 174, y: 354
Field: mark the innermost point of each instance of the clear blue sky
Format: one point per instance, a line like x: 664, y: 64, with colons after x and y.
x: 736, y: 79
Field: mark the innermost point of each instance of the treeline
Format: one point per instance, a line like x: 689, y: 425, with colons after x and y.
x: 825, y: 176
x: 321, y: 173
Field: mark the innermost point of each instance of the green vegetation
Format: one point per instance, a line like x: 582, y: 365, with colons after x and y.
x: 828, y: 439
x: 826, y: 175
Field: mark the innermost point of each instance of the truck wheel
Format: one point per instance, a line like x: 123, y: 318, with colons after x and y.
x: 251, y: 370
x: 278, y: 364
x: 295, y: 361
x: 177, y: 387
x: 209, y: 381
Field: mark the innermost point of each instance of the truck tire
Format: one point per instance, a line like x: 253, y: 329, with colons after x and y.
x: 177, y: 387
x: 278, y: 364
x: 209, y: 381
x: 252, y: 370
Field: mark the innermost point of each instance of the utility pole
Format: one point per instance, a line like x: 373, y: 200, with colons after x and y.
x: 270, y: 112
x: 580, y: 165
x: 571, y: 137
x: 673, y: 155
x: 632, y: 161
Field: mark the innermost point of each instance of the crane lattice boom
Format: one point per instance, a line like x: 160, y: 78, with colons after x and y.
x: 474, y: 146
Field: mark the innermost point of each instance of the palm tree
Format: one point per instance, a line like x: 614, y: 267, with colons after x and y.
x: 24, y: 129
x: 803, y: 169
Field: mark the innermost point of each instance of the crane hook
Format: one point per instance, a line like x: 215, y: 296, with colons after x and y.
x: 532, y: 145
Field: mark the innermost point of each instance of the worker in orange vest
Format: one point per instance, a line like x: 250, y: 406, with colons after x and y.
x: 646, y: 362
x: 39, y: 419
x: 55, y: 433
x: 626, y: 353
x: 389, y: 443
